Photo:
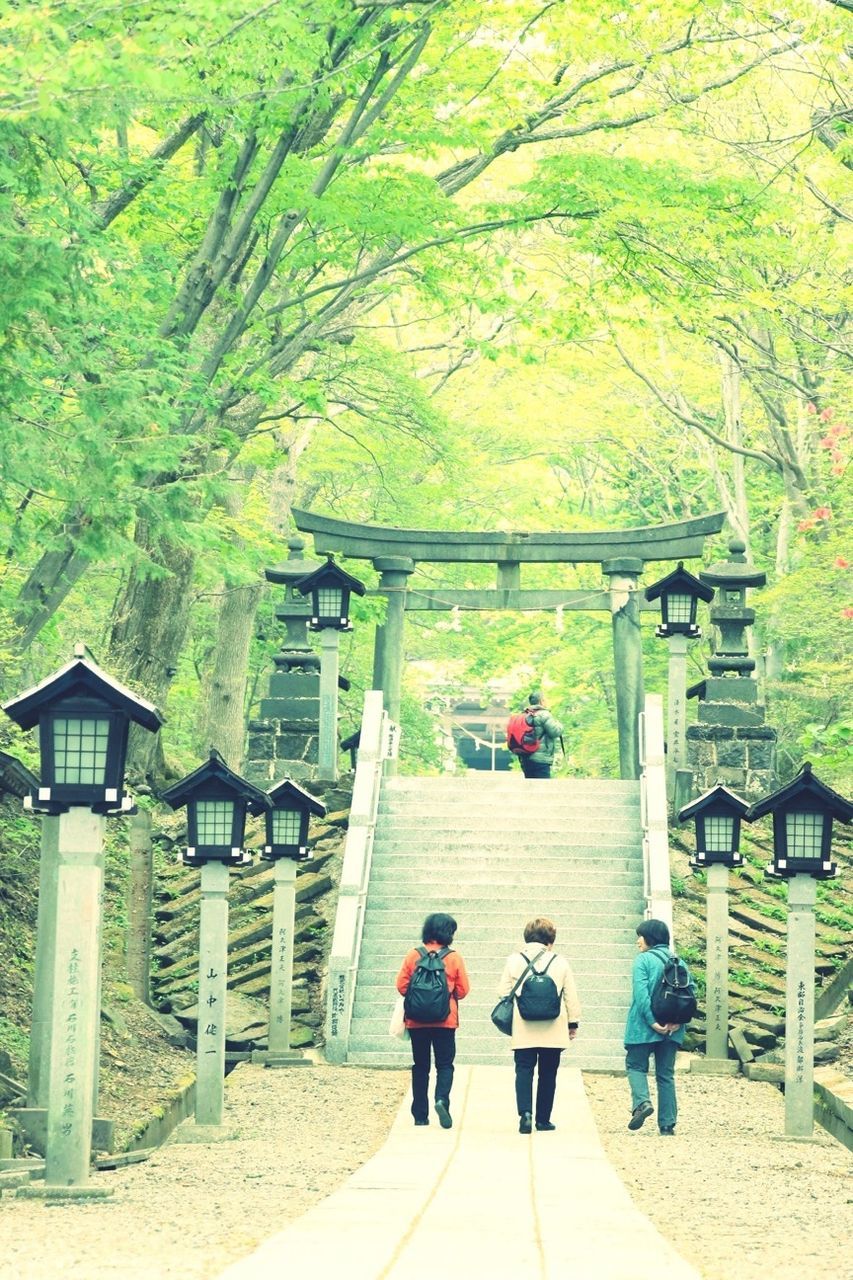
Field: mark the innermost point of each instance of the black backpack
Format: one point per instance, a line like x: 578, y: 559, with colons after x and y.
x: 428, y: 996
x: 539, y: 1000
x: 674, y: 993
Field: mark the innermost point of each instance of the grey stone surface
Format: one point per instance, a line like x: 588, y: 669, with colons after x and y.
x: 722, y: 713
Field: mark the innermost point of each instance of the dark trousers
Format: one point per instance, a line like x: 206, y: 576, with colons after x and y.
x: 440, y: 1042
x: 534, y: 768
x: 637, y: 1069
x: 526, y: 1061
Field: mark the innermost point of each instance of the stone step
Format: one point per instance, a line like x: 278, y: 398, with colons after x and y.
x: 607, y: 1019
x: 487, y: 956
x: 477, y: 781
x: 472, y: 808
x: 548, y: 826
x: 599, y: 1057
x: 374, y: 981
x: 490, y: 918
x: 541, y: 876
x: 431, y: 845
x: 391, y: 884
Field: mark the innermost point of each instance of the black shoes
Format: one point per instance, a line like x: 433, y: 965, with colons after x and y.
x: 667, y: 1131
x: 640, y: 1115
x: 525, y: 1123
x: 442, y: 1110
x: 420, y: 1122
x: 545, y: 1126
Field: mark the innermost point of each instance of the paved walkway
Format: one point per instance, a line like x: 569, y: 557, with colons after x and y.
x: 478, y: 1200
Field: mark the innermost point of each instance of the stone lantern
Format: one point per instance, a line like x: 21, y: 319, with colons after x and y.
x: 217, y: 801
x: 717, y: 816
x: 802, y: 811
x: 730, y: 742
x: 679, y: 594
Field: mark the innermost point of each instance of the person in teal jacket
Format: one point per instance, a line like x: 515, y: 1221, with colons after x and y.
x: 645, y: 1037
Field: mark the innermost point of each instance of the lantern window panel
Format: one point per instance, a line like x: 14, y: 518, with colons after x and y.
x: 214, y: 822
x: 80, y: 750
x: 679, y: 607
x: 719, y: 830
x: 804, y: 834
x: 329, y: 602
x: 286, y: 826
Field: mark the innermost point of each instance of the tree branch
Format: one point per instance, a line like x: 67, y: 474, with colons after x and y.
x: 108, y: 210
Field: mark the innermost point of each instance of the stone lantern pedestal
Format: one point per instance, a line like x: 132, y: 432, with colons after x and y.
x: 285, y: 738
x: 730, y: 743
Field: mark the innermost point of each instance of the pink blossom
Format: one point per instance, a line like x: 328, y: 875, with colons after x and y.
x: 841, y: 563
x: 825, y: 415
x: 822, y: 513
x: 847, y: 613
x: 811, y: 408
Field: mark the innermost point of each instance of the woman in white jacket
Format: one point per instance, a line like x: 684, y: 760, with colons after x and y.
x: 539, y: 1044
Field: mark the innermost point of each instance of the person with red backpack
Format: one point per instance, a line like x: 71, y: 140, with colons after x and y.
x: 532, y: 735
x: 432, y: 980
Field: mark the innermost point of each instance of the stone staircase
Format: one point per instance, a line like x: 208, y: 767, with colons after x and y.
x: 495, y: 850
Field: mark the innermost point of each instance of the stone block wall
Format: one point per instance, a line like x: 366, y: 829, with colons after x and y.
x: 740, y: 756
x: 278, y: 747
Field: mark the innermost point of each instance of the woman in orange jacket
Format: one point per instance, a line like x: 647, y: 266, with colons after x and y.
x: 434, y: 1038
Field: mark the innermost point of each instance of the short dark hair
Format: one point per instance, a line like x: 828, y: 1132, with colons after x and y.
x: 540, y: 930
x: 535, y: 699
x: 439, y: 927
x: 655, y: 932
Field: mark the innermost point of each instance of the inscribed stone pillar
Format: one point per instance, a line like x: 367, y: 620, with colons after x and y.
x: 799, y: 1008
x: 39, y: 1061
x: 627, y: 658
x: 212, y: 990
x: 676, y: 741
x: 76, y: 1003
x: 717, y: 963
x: 327, y: 765
x: 281, y: 960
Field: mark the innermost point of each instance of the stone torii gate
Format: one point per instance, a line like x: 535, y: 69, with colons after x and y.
x: 621, y: 553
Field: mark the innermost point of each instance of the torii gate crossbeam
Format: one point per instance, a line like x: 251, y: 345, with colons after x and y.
x: 621, y: 553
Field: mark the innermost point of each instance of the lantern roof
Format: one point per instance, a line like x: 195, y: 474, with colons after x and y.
x: 81, y: 677
x: 287, y: 789
x: 804, y: 788
x: 734, y: 572
x: 15, y: 777
x: 681, y: 580
x: 328, y: 571
x: 294, y: 567
x: 718, y: 796
x: 230, y: 783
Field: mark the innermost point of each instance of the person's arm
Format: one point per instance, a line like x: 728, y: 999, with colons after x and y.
x: 461, y: 984
x: 508, y: 978
x: 407, y: 968
x: 555, y: 728
x: 643, y: 977
x: 571, y: 1002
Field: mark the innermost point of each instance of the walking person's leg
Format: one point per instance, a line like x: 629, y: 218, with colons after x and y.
x: 444, y: 1051
x: 637, y: 1071
x: 665, y: 1052
x: 546, y: 1086
x: 525, y: 1063
x: 420, y: 1041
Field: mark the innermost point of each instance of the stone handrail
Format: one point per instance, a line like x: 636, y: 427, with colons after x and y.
x: 355, y: 871
x: 657, y: 886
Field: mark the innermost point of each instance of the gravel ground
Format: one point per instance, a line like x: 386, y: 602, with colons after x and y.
x: 735, y: 1199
